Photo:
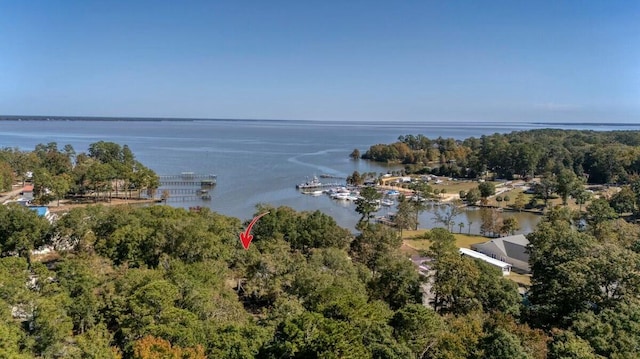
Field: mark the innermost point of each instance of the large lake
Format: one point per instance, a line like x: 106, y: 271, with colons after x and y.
x: 260, y: 161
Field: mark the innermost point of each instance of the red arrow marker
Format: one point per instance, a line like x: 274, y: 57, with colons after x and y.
x: 245, y: 237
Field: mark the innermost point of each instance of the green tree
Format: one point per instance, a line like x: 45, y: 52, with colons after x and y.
x: 396, y: 282
x: 319, y: 230
x: 502, y: 344
x: 509, y: 225
x: 50, y: 324
x: 487, y: 189
x: 60, y: 186
x: 495, y: 293
x: 12, y: 337
x: 78, y: 279
x: 42, y: 182
x: 566, y: 345
x: 96, y: 344
x: 582, y: 196
x: 21, y: 230
x: 367, y: 203
x: 566, y: 183
x: 491, y: 222
x: 612, y: 333
x: 520, y: 201
x: 417, y: 327
x: 405, y: 217
x: 454, y: 278
x: 473, y: 196
x: 447, y: 214
x: 460, y: 337
x: 546, y: 187
x: 310, y: 335
x: 7, y: 178
x: 355, y: 179
x: 599, y: 212
x: 373, y: 243
x: 560, y: 283
x: 624, y: 201
x: 100, y: 176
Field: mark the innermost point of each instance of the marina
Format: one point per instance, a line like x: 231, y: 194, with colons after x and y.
x: 260, y: 162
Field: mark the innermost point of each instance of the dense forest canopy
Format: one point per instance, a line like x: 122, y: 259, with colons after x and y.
x: 127, y: 282
x: 604, y: 157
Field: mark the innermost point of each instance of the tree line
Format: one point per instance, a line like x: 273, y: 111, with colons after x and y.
x: 106, y: 169
x: 602, y: 157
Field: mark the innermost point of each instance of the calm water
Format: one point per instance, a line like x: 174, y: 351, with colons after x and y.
x: 256, y: 161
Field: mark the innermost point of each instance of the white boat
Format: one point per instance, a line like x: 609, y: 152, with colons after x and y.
x: 344, y: 196
x: 314, y: 193
x: 340, y: 196
x: 314, y: 183
x: 387, y: 202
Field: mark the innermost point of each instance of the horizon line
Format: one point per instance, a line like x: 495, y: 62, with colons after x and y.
x: 148, y: 118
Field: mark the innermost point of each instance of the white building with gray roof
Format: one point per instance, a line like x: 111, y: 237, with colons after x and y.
x: 512, y: 250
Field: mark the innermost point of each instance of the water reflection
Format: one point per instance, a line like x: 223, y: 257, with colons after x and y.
x: 472, y: 219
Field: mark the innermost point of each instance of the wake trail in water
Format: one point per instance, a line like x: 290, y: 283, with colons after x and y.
x: 320, y: 168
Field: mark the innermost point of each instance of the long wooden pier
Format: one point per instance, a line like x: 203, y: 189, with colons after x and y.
x: 188, y: 179
x: 187, y: 186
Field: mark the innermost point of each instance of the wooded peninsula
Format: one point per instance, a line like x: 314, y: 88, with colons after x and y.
x: 164, y: 282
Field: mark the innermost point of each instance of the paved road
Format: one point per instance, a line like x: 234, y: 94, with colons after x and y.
x: 9, y: 195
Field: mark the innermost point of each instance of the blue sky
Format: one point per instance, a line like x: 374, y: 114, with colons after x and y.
x: 323, y: 60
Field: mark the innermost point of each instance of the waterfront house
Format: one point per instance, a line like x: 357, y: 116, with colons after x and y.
x: 512, y: 250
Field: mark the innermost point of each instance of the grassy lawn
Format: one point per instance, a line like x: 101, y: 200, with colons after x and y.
x: 524, y: 279
x: 456, y: 186
x: 462, y: 240
x: 512, y: 198
x: 465, y: 240
x: 448, y: 186
x: 554, y: 201
x: 408, y: 234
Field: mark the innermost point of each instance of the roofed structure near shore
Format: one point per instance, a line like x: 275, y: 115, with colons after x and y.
x: 512, y: 250
x: 503, y: 266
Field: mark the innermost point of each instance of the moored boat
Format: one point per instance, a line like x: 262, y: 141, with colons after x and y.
x: 387, y: 202
x: 314, y: 183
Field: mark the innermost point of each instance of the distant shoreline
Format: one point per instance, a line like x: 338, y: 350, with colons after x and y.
x: 128, y: 119
x: 178, y: 119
